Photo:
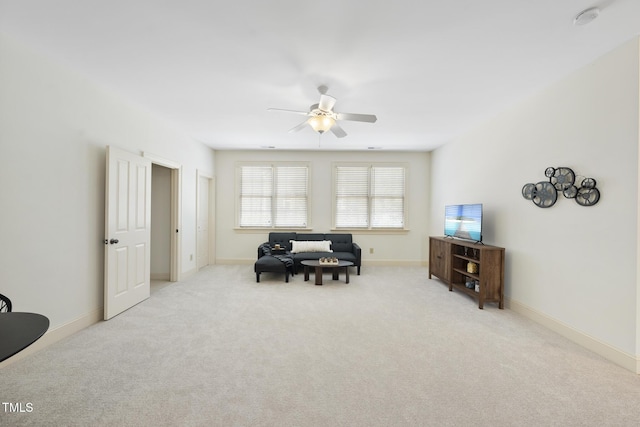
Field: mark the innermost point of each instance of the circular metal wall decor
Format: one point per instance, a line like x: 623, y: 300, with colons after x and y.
x: 570, y: 192
x: 528, y: 190
x: 544, y: 195
x: 587, y: 196
x: 589, y: 183
x: 561, y: 180
x: 549, y: 172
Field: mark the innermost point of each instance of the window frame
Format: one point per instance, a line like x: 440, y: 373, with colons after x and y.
x: 274, y: 191
x: 370, y: 166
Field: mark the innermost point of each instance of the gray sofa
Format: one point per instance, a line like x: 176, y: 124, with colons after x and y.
x: 342, y: 247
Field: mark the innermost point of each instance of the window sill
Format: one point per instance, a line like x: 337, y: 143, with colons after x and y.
x: 262, y: 230
x: 371, y: 231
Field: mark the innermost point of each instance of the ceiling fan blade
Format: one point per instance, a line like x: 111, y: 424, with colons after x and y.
x: 369, y: 118
x: 299, y: 127
x: 289, y: 111
x: 326, y: 102
x: 338, y: 131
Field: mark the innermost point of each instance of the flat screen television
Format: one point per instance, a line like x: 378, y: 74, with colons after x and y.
x: 463, y: 221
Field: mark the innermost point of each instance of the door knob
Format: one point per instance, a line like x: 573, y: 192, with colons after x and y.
x: 114, y: 241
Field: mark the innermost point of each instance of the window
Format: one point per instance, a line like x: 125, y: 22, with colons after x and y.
x: 273, y: 196
x: 369, y: 196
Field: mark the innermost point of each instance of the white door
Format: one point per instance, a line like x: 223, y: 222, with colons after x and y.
x: 127, y: 231
x: 203, y: 222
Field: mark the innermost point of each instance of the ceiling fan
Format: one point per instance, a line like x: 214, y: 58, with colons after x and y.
x: 322, y: 117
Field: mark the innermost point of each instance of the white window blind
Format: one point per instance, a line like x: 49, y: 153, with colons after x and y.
x: 352, y: 197
x: 273, y: 196
x: 387, y: 197
x: 256, y: 188
x: 291, y: 197
x: 369, y: 196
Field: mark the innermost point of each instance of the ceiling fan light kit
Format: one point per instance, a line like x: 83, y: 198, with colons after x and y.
x: 321, y: 123
x: 322, y: 117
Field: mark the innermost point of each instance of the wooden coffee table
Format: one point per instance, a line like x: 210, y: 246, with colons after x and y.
x: 318, y: 269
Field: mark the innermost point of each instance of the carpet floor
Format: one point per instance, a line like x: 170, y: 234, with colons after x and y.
x: 391, y: 348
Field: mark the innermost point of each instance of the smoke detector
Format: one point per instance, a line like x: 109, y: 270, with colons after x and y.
x: 586, y: 16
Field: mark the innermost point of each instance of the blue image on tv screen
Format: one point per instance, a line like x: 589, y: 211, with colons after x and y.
x: 463, y: 221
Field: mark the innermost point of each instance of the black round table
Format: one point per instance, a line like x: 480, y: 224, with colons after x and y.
x: 19, y: 330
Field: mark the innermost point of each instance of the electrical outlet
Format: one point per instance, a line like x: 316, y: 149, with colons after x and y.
x: 191, y: 257
x: 370, y: 250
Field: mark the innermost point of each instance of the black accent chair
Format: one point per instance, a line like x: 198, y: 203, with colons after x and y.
x: 5, y: 304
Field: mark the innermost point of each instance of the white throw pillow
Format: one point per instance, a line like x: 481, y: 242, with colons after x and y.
x: 298, y: 246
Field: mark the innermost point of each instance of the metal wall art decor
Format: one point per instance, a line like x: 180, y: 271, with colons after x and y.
x: 563, y: 180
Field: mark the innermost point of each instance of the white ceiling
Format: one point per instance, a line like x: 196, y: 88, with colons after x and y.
x: 428, y: 69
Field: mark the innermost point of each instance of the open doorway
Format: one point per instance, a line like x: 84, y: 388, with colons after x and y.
x: 165, y: 220
x: 160, y: 227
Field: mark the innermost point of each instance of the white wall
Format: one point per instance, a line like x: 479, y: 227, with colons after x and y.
x: 573, y: 265
x: 409, y: 248
x: 54, y: 127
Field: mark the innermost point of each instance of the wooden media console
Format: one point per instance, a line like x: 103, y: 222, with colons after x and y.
x: 458, y: 263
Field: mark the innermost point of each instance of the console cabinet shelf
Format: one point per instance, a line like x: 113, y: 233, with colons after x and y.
x: 458, y: 263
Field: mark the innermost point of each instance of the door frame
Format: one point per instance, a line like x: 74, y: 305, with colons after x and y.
x: 211, y: 220
x: 176, y: 212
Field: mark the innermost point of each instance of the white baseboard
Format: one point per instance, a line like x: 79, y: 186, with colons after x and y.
x: 617, y: 356
x: 160, y: 276
x: 57, y: 334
